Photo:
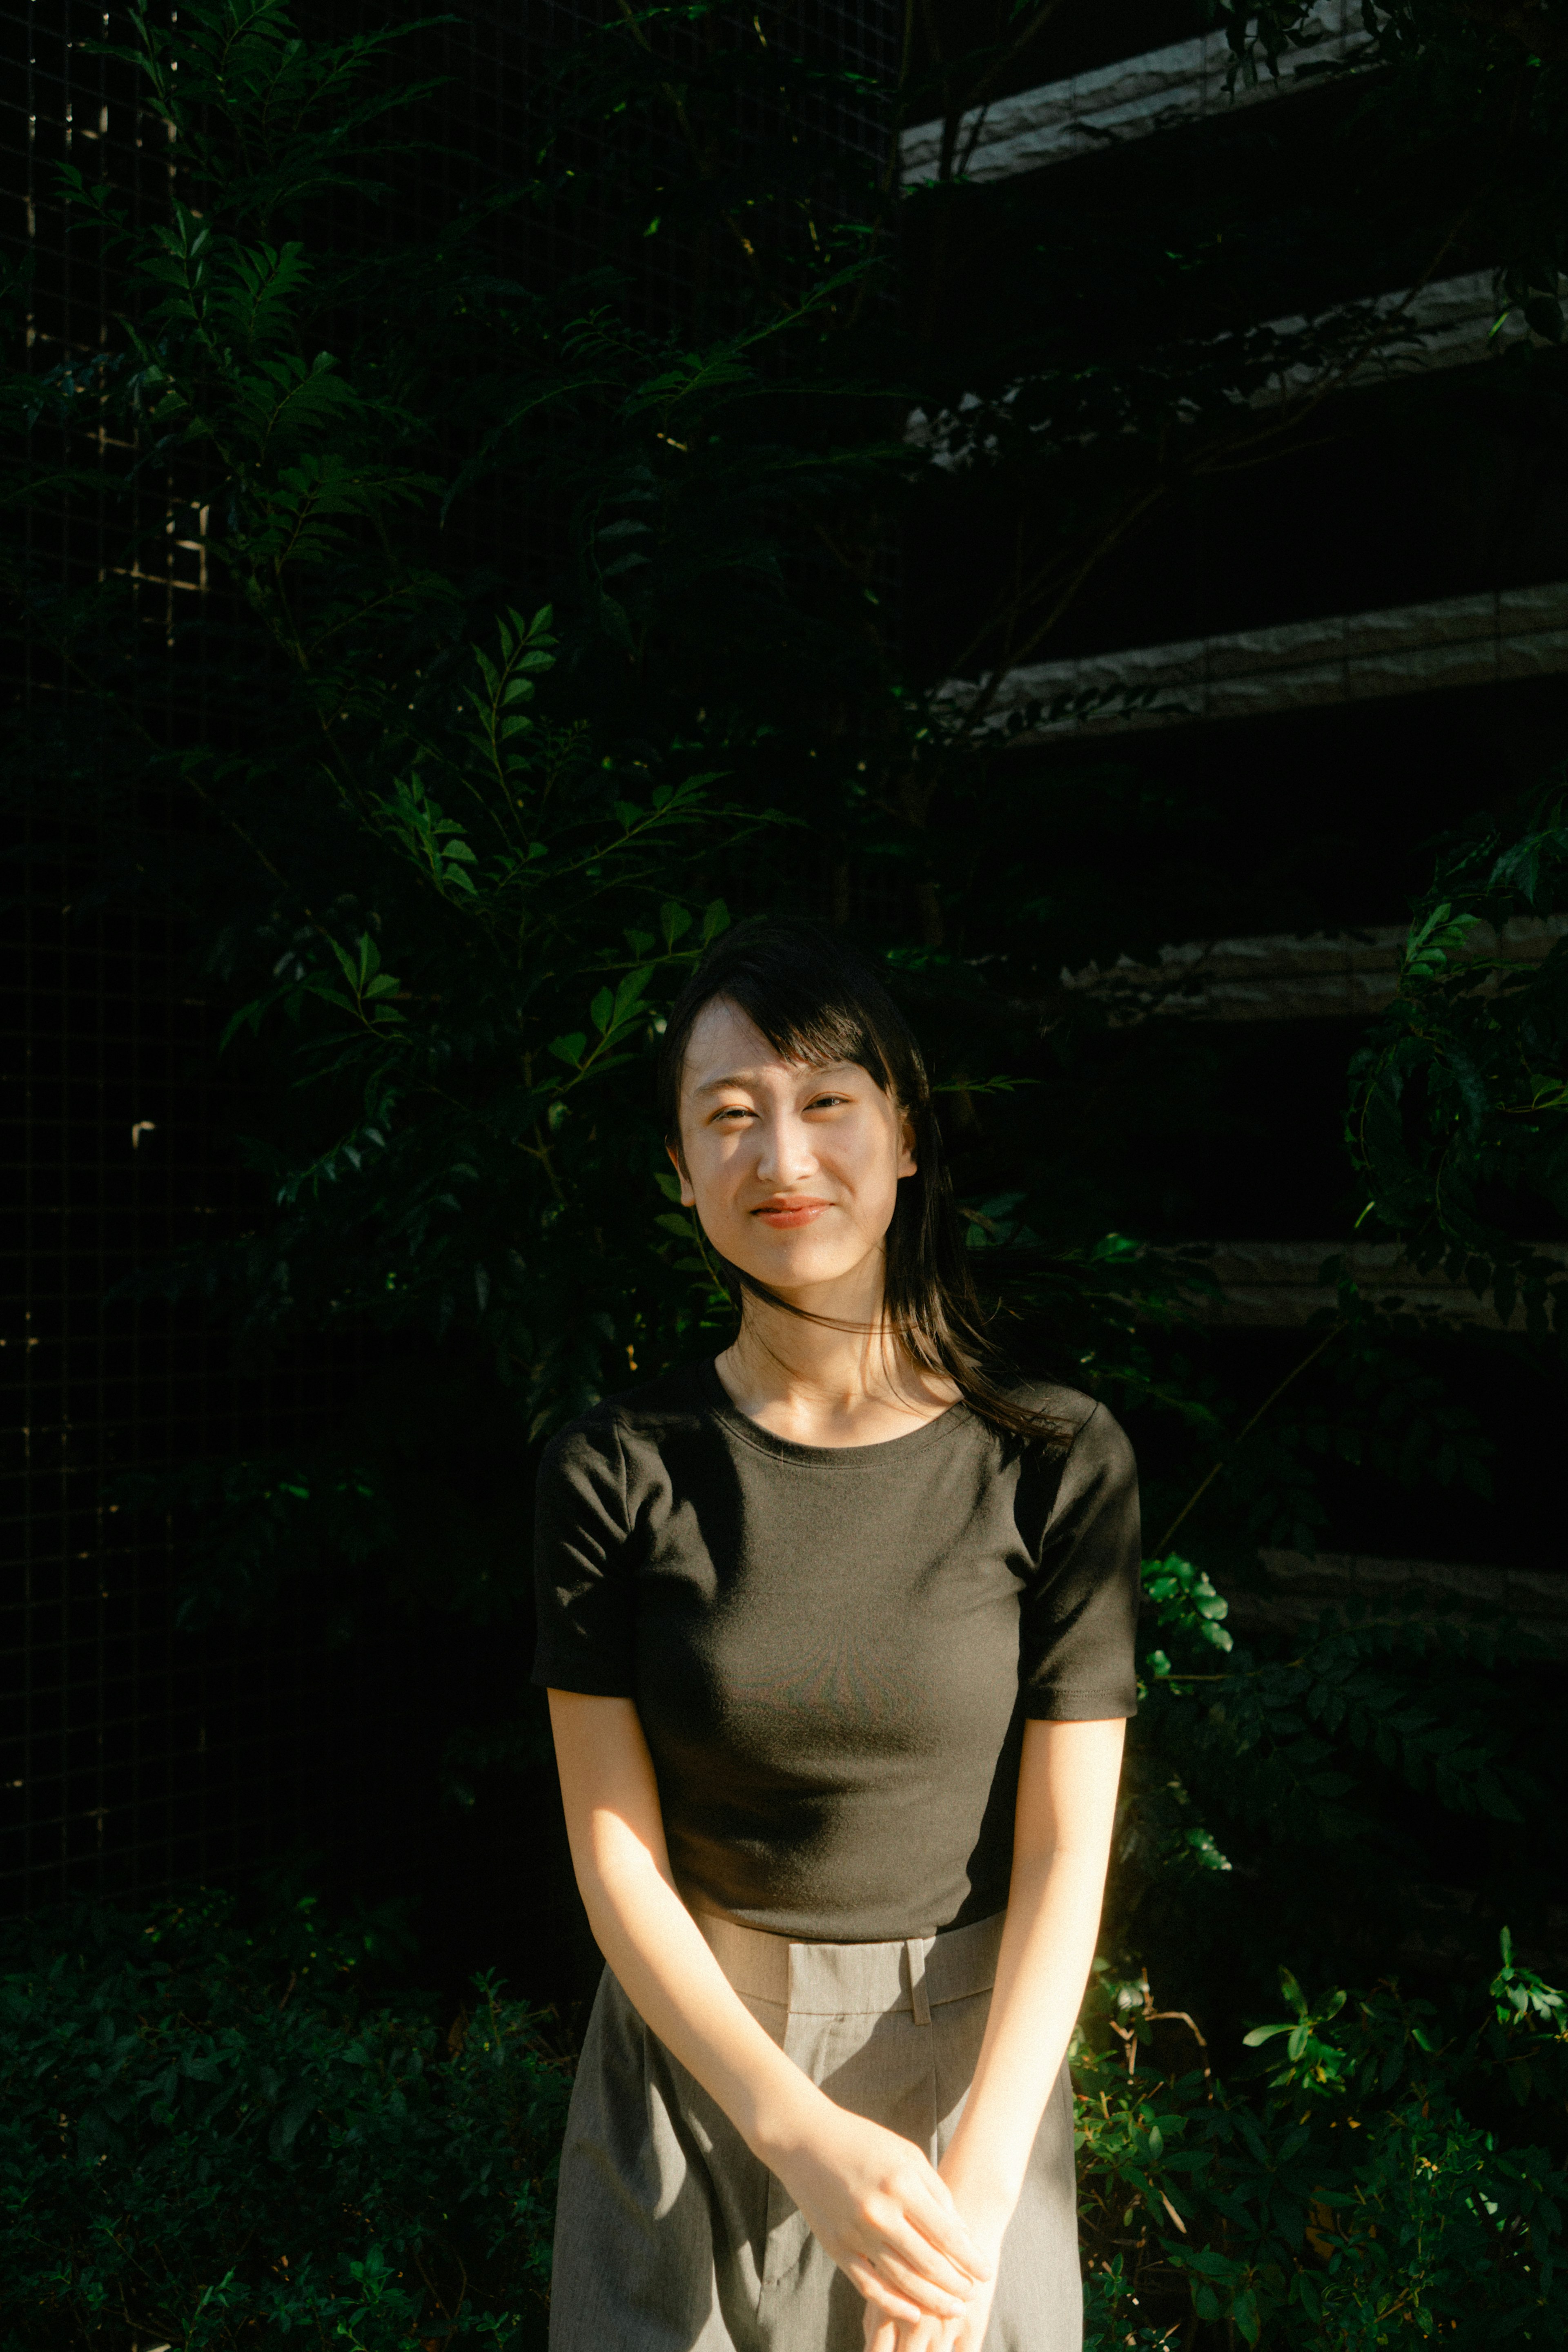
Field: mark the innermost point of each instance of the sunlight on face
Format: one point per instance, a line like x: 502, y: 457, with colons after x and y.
x: 793, y: 1170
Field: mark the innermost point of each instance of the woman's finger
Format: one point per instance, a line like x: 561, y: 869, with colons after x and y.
x: 887, y: 2234
x: 950, y: 2235
x: 946, y: 2293
x: 927, y: 2336
x: 878, y: 2291
x: 882, y: 2333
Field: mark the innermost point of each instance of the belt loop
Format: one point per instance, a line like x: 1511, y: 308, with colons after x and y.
x: 915, y: 1951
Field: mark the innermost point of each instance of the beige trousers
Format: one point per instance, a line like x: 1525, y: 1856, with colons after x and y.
x: 671, y: 2237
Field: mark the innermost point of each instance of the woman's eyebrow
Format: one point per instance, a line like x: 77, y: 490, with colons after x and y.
x: 816, y: 1070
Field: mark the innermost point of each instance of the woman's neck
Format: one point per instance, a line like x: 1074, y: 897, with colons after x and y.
x: 819, y: 1385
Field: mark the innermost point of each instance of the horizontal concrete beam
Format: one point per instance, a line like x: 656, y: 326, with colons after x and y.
x: 1340, y: 975
x: 1300, y: 1588
x: 1452, y: 322
x: 1488, y: 639
x: 1129, y: 99
x: 1275, y: 1286
x: 1457, y: 321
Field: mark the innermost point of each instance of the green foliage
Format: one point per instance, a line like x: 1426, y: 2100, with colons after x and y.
x: 1264, y: 1797
x: 245, y: 1520
x: 461, y: 892
x: 1184, y: 1598
x: 214, y: 2134
x: 1362, y: 2188
x: 1460, y: 1112
x: 211, y: 2127
x: 1477, y: 72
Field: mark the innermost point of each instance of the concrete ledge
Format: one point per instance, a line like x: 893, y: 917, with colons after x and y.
x: 1344, y: 975
x: 1487, y: 639
x: 1129, y: 99
x: 1274, y: 1285
x: 1300, y: 1588
x: 1452, y: 322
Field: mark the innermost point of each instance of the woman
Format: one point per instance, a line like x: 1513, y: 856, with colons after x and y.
x: 837, y: 1637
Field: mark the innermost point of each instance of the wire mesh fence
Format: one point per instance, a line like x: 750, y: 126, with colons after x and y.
x: 132, y: 1753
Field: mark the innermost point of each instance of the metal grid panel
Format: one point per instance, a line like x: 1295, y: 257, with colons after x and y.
x: 132, y: 1754
x: 128, y: 1755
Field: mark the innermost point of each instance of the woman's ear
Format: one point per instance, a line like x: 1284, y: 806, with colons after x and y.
x: 908, y: 1164
x: 677, y: 1161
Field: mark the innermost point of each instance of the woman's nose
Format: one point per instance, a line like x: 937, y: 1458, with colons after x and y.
x: 786, y: 1155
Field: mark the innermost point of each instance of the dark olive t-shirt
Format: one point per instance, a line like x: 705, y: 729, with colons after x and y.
x: 833, y: 1649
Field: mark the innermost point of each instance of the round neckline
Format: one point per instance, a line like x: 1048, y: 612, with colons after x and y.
x: 785, y: 1449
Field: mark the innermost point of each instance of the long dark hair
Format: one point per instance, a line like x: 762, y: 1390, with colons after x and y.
x: 817, y: 1001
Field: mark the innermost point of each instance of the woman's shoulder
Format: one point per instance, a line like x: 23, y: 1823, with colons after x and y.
x: 1073, y: 1411
x: 1088, y: 1436
x: 644, y: 1414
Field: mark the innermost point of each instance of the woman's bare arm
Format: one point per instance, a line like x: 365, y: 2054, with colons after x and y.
x: 873, y: 2199
x: 1066, y: 1811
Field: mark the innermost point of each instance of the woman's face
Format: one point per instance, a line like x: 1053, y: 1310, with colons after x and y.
x: 793, y: 1170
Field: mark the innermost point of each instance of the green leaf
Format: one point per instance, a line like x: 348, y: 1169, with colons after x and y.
x: 601, y: 1012
x: 569, y: 1049
x: 680, y: 1226
x: 287, y: 2123
x: 715, y: 919
x: 1202, y: 1843
x: 615, y: 622
x: 629, y: 996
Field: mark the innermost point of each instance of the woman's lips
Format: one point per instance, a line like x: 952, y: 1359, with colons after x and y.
x: 783, y: 1215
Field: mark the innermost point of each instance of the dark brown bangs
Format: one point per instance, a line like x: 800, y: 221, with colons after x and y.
x: 814, y: 1001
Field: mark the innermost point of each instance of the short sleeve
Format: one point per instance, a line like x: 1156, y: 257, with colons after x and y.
x: 1079, y: 1614
x: 582, y: 1568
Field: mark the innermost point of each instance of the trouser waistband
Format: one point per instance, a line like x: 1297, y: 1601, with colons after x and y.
x: 917, y: 1972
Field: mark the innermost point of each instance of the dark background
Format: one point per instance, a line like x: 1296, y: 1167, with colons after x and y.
x: 133, y: 1755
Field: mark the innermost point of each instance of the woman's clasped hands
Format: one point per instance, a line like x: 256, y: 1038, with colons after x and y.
x: 967, y: 2333
x: 960, y: 2331
x: 882, y: 2211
